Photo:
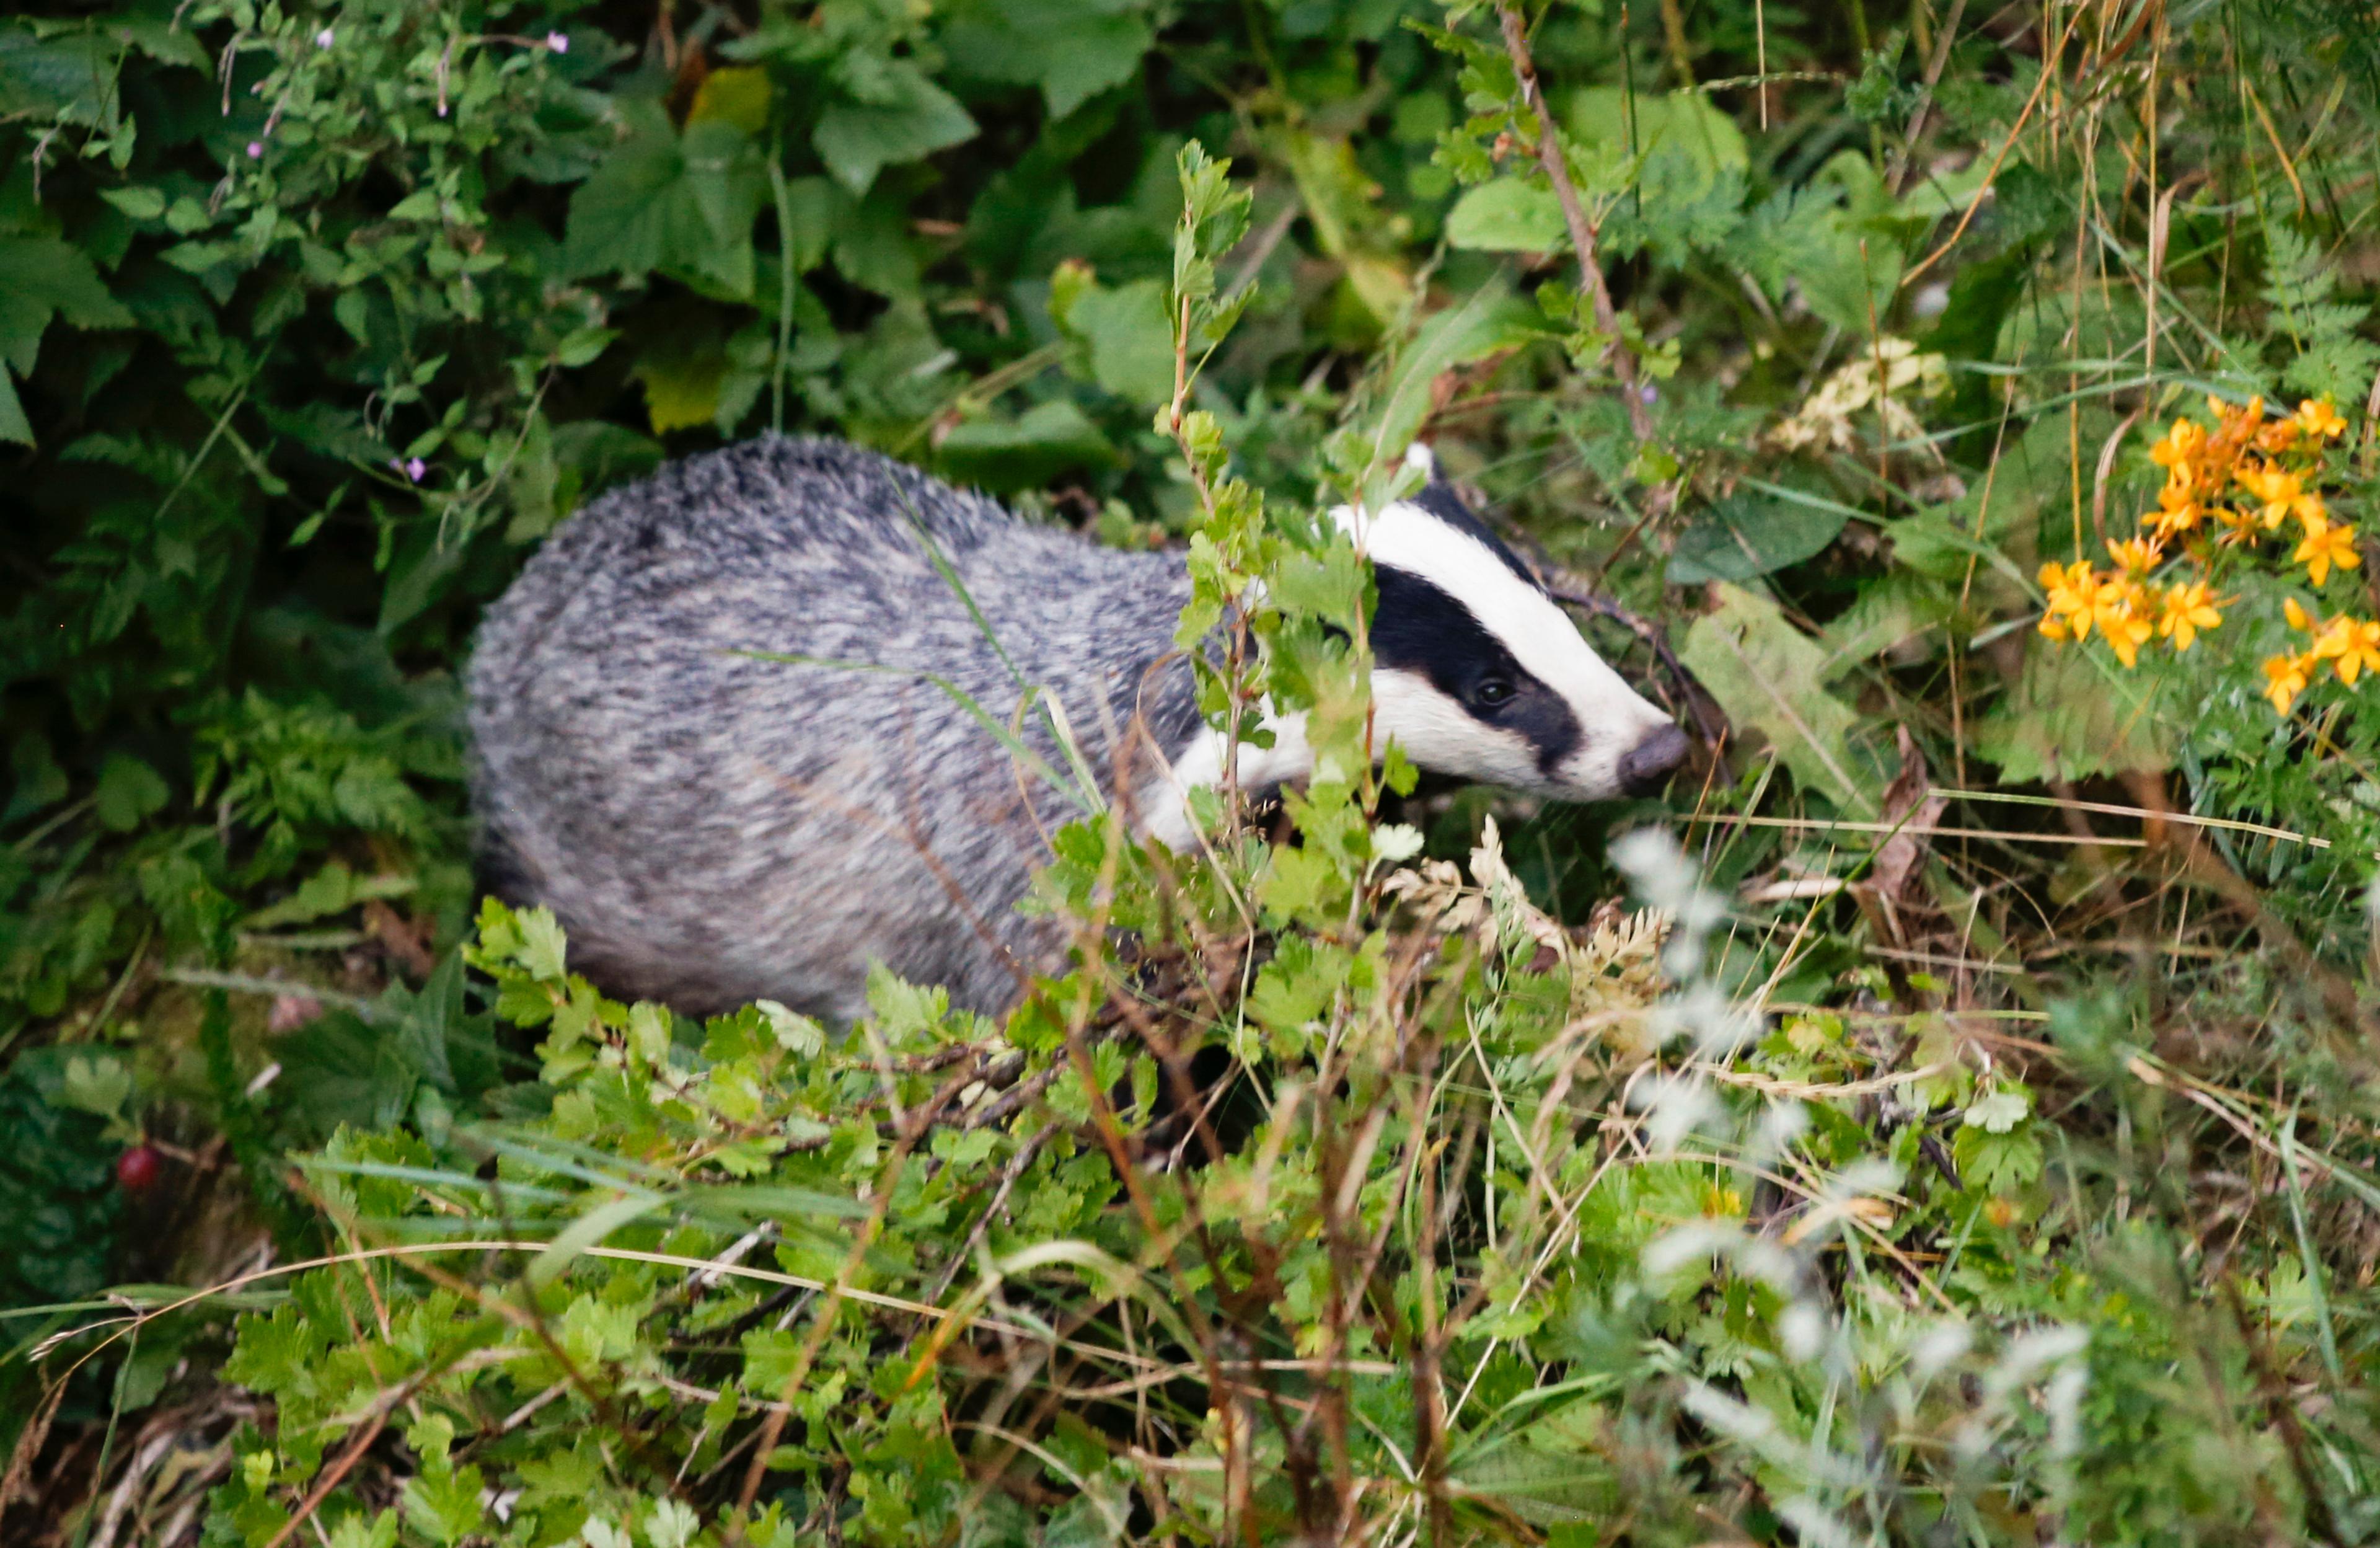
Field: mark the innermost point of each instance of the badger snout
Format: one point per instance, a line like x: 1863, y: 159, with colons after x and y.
x: 1645, y: 767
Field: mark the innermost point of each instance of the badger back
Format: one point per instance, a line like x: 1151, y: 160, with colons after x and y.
x: 713, y: 825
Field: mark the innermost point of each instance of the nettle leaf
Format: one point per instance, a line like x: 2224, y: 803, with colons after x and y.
x: 889, y: 114
x: 680, y: 203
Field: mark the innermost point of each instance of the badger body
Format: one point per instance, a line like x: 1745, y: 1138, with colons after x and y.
x: 719, y: 730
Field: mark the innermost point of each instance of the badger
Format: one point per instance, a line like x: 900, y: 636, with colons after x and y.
x: 750, y: 725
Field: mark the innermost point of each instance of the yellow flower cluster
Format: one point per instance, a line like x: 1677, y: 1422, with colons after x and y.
x: 2238, y: 484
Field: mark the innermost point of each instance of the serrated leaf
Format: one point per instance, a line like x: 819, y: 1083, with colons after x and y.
x: 1999, y: 1113
x: 682, y: 204
x: 905, y: 118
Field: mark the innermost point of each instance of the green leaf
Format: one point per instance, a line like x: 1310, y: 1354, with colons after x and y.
x: 1490, y: 320
x: 2074, y: 713
x: 1508, y: 216
x: 901, y: 118
x: 1131, y: 343
x: 98, y: 1085
x: 41, y: 277
x: 1024, y: 453
x: 1071, y: 49
x: 14, y: 426
x: 129, y: 791
x: 1766, y: 674
x: 737, y: 94
x: 681, y: 389
x: 1995, y: 1163
x: 682, y: 204
x: 444, y: 1504
x: 1999, y: 1111
x: 1742, y: 536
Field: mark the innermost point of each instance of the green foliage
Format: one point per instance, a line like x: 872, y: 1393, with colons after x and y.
x: 1953, y: 1151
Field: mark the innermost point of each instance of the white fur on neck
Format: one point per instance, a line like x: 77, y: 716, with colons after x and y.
x: 1165, y: 800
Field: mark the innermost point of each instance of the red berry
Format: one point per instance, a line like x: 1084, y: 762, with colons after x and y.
x: 135, y: 1169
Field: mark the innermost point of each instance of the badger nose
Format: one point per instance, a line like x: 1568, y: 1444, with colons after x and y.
x: 1644, y: 767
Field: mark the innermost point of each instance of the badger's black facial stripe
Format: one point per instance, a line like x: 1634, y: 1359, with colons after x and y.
x: 1439, y: 498
x: 1420, y: 628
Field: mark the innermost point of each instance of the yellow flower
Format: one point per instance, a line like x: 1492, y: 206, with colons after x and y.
x: 2180, y: 443
x: 2073, y: 593
x: 2177, y: 507
x: 2318, y: 417
x: 2235, y: 418
x: 2298, y: 617
x: 2326, y: 545
x: 2119, y: 607
x: 2238, y: 526
x: 2055, y: 627
x: 2283, y: 495
x: 2358, y: 649
x: 2187, y: 609
x: 2136, y: 556
x: 2285, y: 679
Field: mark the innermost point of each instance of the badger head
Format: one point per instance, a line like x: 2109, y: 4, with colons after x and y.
x: 1478, y: 673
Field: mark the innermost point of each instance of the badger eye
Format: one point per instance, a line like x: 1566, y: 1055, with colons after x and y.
x: 1492, y: 693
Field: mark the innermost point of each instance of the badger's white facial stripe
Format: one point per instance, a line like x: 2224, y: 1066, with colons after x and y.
x: 1434, y: 539
x: 1438, y: 733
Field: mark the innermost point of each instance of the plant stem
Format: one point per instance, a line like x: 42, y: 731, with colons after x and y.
x: 1582, y: 231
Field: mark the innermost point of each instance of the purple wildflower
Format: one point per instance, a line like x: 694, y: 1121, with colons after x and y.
x: 325, y: 38
x: 256, y: 150
x: 415, y: 468
x: 557, y: 42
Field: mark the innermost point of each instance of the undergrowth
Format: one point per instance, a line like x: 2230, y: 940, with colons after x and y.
x: 1943, y: 1117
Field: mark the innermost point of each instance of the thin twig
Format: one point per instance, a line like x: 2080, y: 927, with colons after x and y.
x: 1581, y: 230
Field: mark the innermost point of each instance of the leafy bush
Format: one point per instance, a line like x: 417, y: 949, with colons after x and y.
x: 1969, y: 1139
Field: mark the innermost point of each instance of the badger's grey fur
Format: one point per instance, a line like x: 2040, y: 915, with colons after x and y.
x: 713, y: 827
